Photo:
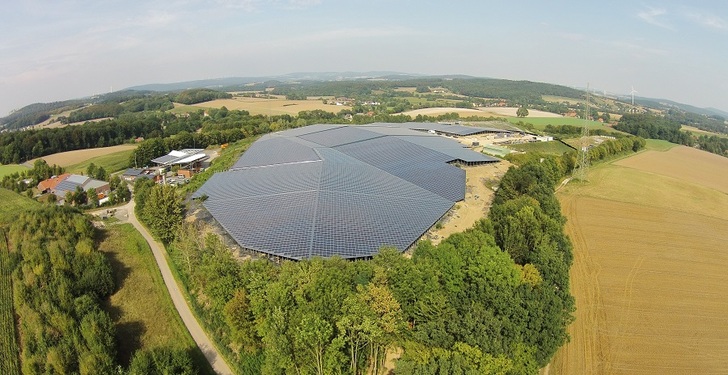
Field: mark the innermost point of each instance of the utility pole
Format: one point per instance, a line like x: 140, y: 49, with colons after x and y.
x: 581, y: 170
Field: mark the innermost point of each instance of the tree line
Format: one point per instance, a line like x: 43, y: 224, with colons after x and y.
x: 195, y: 96
x: 668, y: 129
x: 18, y: 147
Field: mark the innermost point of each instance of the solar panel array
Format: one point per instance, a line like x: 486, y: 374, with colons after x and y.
x: 328, y: 190
x: 460, y: 130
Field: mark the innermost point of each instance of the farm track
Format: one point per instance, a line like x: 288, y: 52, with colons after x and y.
x: 180, y: 303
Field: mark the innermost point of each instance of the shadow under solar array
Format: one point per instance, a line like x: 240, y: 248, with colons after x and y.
x: 334, y: 191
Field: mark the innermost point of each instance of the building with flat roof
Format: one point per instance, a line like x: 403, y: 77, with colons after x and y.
x: 337, y: 190
x: 189, y: 158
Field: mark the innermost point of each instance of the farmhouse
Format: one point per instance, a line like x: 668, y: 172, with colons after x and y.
x: 60, y: 185
x: 337, y: 190
x: 189, y: 158
x: 46, y: 186
x: 85, y: 183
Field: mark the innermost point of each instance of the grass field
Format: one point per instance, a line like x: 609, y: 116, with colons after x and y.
x: 541, y: 122
x: 480, y: 112
x: 659, y: 145
x: 260, y: 106
x: 112, y: 162
x: 13, y: 204
x: 141, y: 308
x: 8, y: 169
x: 649, y: 277
x: 70, y: 158
x: 699, y: 132
x: 553, y: 147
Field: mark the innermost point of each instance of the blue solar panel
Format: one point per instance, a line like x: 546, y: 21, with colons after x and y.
x: 416, y: 164
x: 340, y: 136
x: 275, y: 150
x: 279, y: 225
x: 270, y: 180
x: 455, y: 151
x: 293, y: 196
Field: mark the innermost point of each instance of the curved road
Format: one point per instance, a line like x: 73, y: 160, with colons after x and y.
x: 198, y: 334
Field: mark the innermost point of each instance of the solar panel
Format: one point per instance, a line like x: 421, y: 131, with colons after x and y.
x: 308, y: 129
x: 274, y: 224
x: 340, y: 136
x: 413, y: 163
x: 335, y: 190
x: 275, y: 150
x: 455, y: 151
x: 268, y: 180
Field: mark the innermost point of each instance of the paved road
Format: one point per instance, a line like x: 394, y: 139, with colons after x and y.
x: 198, y: 334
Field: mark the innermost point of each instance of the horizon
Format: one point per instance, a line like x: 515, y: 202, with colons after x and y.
x: 53, y: 51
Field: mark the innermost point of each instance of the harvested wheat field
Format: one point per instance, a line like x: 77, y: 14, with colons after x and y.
x: 649, y: 267
x: 270, y: 107
x: 65, y: 159
x: 683, y: 163
x: 482, y: 112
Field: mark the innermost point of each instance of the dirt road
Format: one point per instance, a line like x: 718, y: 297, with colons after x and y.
x: 198, y: 334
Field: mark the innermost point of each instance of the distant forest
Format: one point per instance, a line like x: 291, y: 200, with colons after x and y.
x: 668, y: 129
x: 126, y: 115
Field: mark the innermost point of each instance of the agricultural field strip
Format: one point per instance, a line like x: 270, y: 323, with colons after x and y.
x: 8, y: 346
x: 69, y: 158
x: 669, y: 265
x: 620, y: 282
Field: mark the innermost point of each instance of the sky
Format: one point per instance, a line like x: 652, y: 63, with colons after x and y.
x: 66, y: 49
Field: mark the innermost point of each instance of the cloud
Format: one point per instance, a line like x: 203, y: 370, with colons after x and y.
x: 636, y: 48
x: 345, y: 34
x: 244, y: 5
x: 574, y: 37
x: 708, y: 20
x: 300, y: 4
x: 653, y: 15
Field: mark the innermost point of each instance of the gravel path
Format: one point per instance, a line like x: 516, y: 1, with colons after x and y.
x: 198, y: 334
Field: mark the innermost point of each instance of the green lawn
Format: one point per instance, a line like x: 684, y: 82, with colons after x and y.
x: 141, y: 308
x: 7, y: 169
x: 541, y: 122
x: 553, y: 147
x: 113, y: 162
x: 659, y: 145
x: 13, y: 204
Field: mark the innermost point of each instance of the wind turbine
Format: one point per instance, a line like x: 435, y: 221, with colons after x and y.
x: 633, y: 92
